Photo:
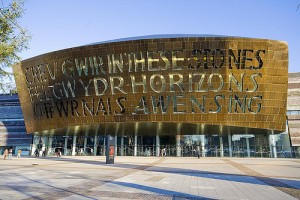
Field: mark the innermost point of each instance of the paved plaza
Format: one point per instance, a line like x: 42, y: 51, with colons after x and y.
x: 72, y: 178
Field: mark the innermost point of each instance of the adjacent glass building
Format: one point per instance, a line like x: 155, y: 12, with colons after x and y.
x: 293, y: 113
x: 12, y: 127
x: 184, y: 93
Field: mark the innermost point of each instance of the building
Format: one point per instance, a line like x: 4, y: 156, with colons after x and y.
x: 12, y: 127
x: 212, y: 95
x: 293, y: 113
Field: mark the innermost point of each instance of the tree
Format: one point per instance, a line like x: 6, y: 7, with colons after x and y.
x: 13, y: 40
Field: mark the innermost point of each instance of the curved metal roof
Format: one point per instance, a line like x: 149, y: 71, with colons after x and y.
x: 159, y: 36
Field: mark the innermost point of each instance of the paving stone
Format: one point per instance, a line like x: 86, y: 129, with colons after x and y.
x: 149, y: 178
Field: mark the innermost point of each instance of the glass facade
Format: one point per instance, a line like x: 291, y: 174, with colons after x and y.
x: 236, y: 145
x: 12, y: 127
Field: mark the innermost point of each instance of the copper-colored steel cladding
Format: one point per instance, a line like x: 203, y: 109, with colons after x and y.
x: 205, y: 85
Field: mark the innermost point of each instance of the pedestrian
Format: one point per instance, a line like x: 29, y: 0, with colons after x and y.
x: 37, y: 153
x: 58, y: 153
x: 198, y: 153
x: 10, y: 154
x: 19, y: 153
x: 164, y: 152
x: 5, y: 154
x: 44, y: 153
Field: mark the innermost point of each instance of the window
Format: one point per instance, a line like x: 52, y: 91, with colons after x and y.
x: 293, y: 112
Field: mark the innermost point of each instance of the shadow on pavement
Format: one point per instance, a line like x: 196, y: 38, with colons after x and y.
x: 174, y: 194
x: 259, y: 180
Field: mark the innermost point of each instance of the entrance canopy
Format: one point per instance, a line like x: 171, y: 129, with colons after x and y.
x: 152, y: 129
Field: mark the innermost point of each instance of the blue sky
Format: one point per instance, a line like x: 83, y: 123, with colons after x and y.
x: 60, y: 24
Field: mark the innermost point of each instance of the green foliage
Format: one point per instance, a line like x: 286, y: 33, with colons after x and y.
x: 13, y: 39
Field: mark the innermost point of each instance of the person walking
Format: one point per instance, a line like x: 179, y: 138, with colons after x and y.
x: 5, y: 154
x: 37, y: 153
x: 58, y: 153
x: 19, y: 153
x: 164, y: 152
x: 44, y: 153
x: 198, y: 153
x: 10, y: 154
